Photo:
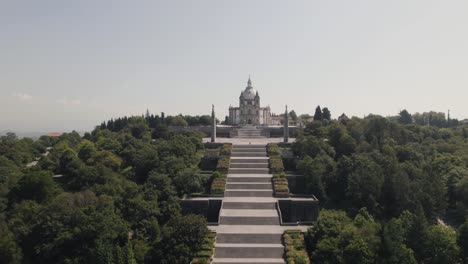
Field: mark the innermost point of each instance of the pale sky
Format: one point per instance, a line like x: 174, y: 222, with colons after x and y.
x: 71, y: 64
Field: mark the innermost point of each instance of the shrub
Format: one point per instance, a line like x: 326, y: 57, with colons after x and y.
x: 218, y: 186
x: 216, y: 174
x: 200, y: 261
x: 295, y: 247
x: 223, y: 165
x: 203, y: 256
x: 273, y: 150
x: 226, y: 150
x: 279, y: 175
x: 276, y: 165
x: 280, y: 185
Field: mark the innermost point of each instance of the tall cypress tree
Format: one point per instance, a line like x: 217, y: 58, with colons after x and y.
x: 326, y: 114
x: 318, y: 114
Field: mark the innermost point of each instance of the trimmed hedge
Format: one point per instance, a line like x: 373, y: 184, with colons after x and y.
x: 273, y: 150
x: 276, y: 165
x: 295, y: 247
x: 226, y: 150
x: 218, y: 186
x: 203, y: 256
x: 223, y: 165
x: 280, y: 185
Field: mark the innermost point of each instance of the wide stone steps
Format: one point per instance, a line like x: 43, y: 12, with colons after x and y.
x: 249, y: 170
x: 249, y: 217
x: 248, y: 154
x: 248, y: 186
x: 248, y: 193
x: 249, y: 238
x: 249, y: 165
x: 249, y: 230
x: 250, y: 205
x: 247, y: 261
x: 257, y: 178
x: 251, y: 137
x: 249, y: 132
x: 238, y: 146
x: 249, y: 220
x: 251, y: 149
x: 249, y: 159
x: 234, y: 250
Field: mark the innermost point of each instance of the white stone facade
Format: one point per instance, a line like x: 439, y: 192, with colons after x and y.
x: 249, y: 111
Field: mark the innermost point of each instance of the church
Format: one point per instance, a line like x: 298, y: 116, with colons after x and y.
x: 249, y: 111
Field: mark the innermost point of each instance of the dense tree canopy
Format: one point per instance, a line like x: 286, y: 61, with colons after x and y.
x: 392, y: 189
x: 410, y: 178
x: 111, y: 196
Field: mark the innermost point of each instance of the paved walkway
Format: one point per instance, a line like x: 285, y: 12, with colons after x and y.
x: 253, y: 141
x: 249, y: 229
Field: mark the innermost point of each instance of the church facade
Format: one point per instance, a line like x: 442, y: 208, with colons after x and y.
x: 249, y: 111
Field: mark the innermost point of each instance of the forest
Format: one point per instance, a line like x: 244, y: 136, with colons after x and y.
x: 110, y: 196
x: 391, y: 189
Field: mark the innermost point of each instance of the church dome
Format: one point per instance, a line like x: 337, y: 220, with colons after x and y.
x: 249, y: 92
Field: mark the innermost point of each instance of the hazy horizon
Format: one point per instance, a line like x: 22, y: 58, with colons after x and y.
x: 71, y: 65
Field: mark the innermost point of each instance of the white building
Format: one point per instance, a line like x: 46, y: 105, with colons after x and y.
x: 249, y: 111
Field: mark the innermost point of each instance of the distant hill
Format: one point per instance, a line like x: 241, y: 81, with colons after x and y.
x: 33, y: 135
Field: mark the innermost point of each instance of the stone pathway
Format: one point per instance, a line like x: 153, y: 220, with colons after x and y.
x: 249, y: 229
x: 247, y: 141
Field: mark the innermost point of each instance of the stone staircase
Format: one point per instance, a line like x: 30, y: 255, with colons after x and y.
x: 249, y: 132
x: 249, y: 230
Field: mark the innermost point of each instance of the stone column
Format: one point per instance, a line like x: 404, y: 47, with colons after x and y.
x: 286, y: 125
x: 213, y: 124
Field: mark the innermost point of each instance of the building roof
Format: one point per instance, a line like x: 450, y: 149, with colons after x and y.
x: 249, y: 92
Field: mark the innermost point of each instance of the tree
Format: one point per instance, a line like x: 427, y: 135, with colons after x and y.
x: 37, y: 186
x: 9, y: 175
x: 318, y: 114
x: 138, y: 127
x: 357, y: 251
x: 404, y: 117
x: 337, y: 239
x: 326, y: 115
x: 365, y: 183
x: 293, y: 115
x: 313, y: 178
x: 182, y: 237
x: 322, y: 239
x: 108, y: 159
x: 395, y: 250
x: 440, y: 245
x: 160, y: 132
x: 86, y: 150
x: 178, y: 121
x: 10, y: 252
x: 74, y: 227
x: 188, y: 181
x: 462, y: 240
x: 346, y: 145
x: 110, y: 144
